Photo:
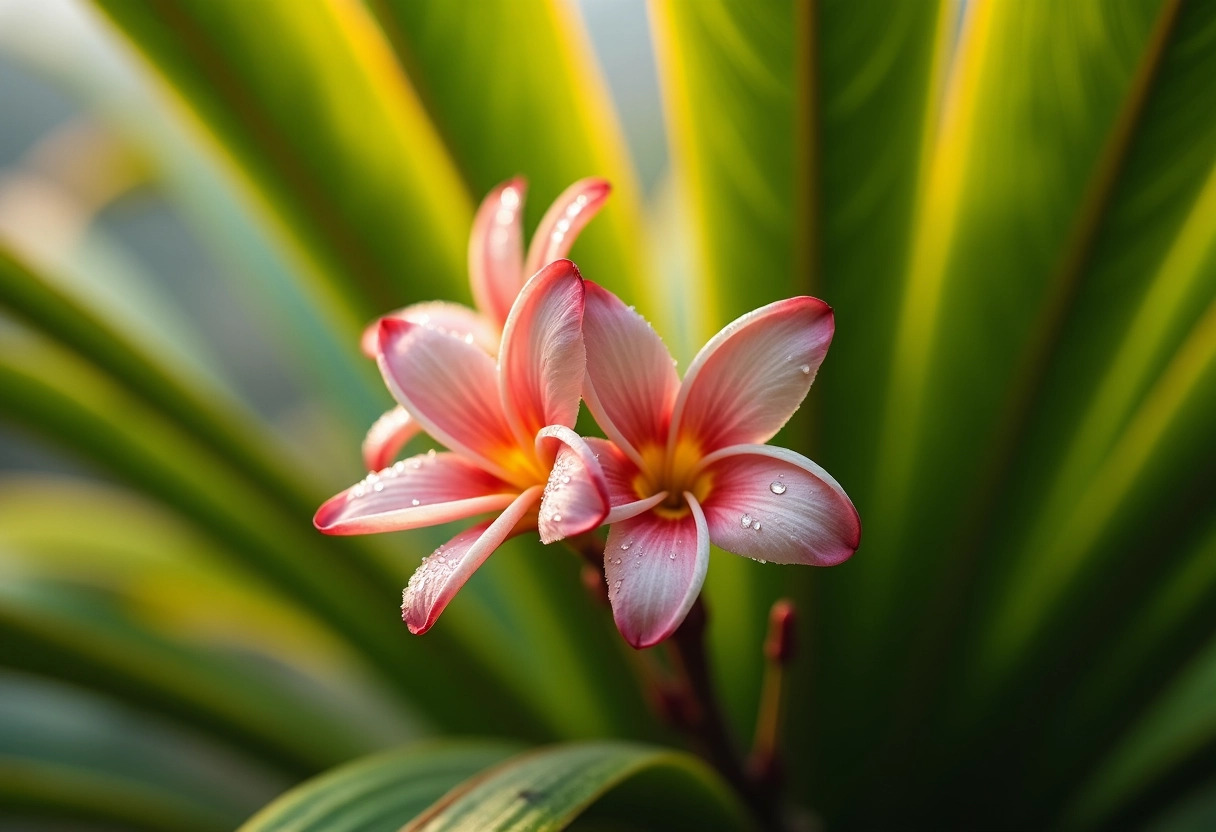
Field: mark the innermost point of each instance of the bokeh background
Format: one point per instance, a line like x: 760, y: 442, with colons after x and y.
x: 1010, y: 204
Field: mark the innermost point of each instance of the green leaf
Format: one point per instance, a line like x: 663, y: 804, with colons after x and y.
x: 733, y: 107
x: 329, y: 135
x: 76, y: 53
x: 547, y: 789
x: 380, y: 792
x: 90, y: 639
x: 57, y: 736
x: 1053, y: 209
x: 1178, y: 728
x: 514, y: 89
x: 66, y: 794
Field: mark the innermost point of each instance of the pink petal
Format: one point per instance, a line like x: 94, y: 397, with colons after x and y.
x: 655, y: 567
x: 442, y: 316
x: 620, y: 472
x: 424, y: 490
x: 542, y: 362
x: 496, y: 251
x: 576, y: 496
x: 773, y: 504
x: 444, y: 572
x: 565, y: 218
x: 447, y: 386
x: 387, y: 437
x: 447, y: 318
x: 631, y: 380
x: 750, y: 378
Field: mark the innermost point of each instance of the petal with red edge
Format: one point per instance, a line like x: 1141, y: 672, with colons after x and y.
x: 442, y: 573
x: 565, y: 218
x: 576, y: 495
x: 655, y: 567
x: 542, y: 362
x: 424, y: 490
x: 496, y: 251
x: 631, y: 380
x: 387, y: 437
x: 751, y: 377
x: 447, y: 318
x: 776, y: 505
x: 443, y: 382
x: 619, y: 471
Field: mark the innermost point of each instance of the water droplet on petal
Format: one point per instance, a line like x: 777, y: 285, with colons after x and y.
x: 557, y: 518
x: 756, y: 525
x: 777, y: 487
x: 415, y: 502
x: 565, y: 480
x: 616, y: 561
x: 762, y: 560
x: 672, y: 556
x: 379, y: 486
x: 805, y: 369
x: 745, y: 520
x: 625, y: 546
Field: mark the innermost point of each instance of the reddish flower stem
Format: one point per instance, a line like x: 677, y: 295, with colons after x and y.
x: 691, y: 707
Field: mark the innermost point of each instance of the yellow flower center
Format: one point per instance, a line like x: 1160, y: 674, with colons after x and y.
x: 525, y: 468
x: 674, y: 473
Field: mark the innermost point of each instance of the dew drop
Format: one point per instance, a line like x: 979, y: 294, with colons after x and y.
x: 379, y: 486
x: 805, y: 369
x: 762, y: 560
x: 565, y: 480
x: 672, y: 556
x: 777, y: 487
x: 415, y: 502
x: 616, y: 561
x: 625, y: 546
x: 557, y: 518
x: 745, y: 520
x: 430, y: 454
x: 756, y: 525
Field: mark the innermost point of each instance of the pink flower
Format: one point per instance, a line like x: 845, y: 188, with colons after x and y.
x: 497, y: 271
x: 507, y: 427
x: 687, y: 466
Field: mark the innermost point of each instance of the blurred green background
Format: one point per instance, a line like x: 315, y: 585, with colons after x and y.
x: 1011, y: 205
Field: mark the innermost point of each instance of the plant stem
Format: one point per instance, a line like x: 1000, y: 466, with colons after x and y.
x: 706, y: 724
x: 691, y: 707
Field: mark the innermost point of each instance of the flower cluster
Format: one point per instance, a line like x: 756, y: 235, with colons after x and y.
x: 684, y: 463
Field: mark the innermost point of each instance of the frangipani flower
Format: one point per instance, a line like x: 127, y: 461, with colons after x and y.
x: 507, y: 427
x: 686, y: 464
x: 497, y: 272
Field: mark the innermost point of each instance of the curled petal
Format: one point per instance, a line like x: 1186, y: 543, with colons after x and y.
x: 387, y: 437
x: 496, y: 251
x: 542, y: 362
x: 447, y: 386
x: 424, y: 490
x: 751, y: 377
x: 631, y: 380
x: 655, y: 567
x: 576, y: 496
x: 776, y: 505
x: 624, y: 511
x: 443, y: 317
x: 620, y: 472
x: 565, y: 218
x: 441, y: 574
